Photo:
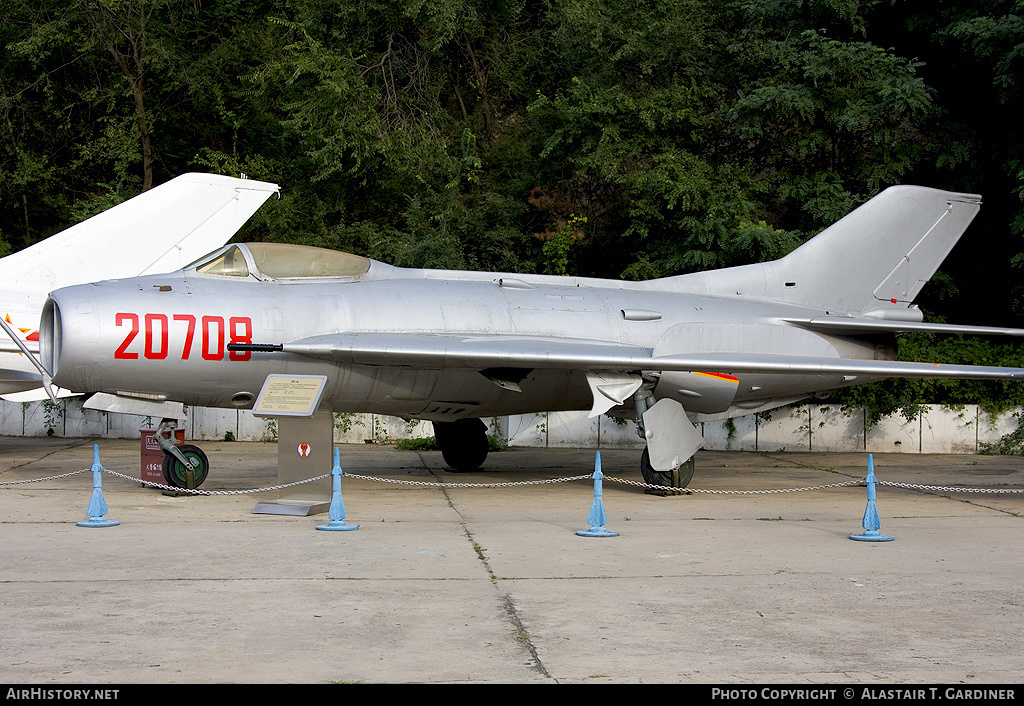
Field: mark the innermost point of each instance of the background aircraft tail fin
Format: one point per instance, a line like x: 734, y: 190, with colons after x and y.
x: 160, y: 230
x: 876, y: 259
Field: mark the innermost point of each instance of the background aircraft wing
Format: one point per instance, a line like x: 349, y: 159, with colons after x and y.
x: 160, y: 230
x: 482, y: 351
x: 9, y: 346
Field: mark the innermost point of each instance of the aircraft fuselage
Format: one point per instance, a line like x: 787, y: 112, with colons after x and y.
x: 172, y: 332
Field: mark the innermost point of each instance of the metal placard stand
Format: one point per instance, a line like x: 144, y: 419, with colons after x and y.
x: 305, y: 442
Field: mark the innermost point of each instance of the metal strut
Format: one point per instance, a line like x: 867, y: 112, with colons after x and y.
x: 45, y: 376
x: 166, y: 443
x: 643, y: 399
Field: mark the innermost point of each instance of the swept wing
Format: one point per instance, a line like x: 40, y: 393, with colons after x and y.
x: 475, y: 351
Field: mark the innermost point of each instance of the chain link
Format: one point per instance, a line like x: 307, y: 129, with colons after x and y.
x: 196, y: 491
x: 950, y: 489
x: 174, y: 488
x: 37, y: 480
x: 689, y: 491
x: 466, y: 485
x: 547, y: 481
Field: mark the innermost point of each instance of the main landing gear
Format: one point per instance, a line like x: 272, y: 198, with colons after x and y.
x: 670, y: 480
x: 463, y: 443
x: 185, y: 465
x: 676, y: 478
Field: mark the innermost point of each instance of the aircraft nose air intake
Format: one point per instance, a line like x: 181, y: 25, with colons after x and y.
x: 50, y: 337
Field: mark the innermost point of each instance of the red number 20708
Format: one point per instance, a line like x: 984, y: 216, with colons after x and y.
x: 156, y: 329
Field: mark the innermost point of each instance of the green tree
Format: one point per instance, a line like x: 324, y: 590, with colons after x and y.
x: 824, y: 119
x: 391, y: 112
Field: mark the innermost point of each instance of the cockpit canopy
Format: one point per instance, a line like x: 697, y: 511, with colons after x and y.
x: 283, y: 261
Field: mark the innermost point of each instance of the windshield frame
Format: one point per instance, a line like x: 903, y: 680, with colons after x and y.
x: 287, y: 262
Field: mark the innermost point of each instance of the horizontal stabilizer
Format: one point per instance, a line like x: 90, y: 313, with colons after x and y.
x: 844, y: 325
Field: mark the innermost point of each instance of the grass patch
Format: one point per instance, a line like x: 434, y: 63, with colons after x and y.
x: 429, y: 443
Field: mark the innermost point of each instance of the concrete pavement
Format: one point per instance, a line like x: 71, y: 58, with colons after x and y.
x: 492, y: 585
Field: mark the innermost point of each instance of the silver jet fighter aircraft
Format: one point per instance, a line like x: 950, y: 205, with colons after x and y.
x: 453, y: 347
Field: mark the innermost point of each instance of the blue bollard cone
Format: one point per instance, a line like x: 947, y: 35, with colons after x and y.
x: 597, y: 517
x: 97, y: 505
x: 337, y: 509
x: 871, y: 522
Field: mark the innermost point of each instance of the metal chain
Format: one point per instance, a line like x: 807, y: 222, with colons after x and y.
x: 689, y: 491
x: 548, y: 481
x: 174, y: 488
x: 36, y: 480
x: 213, y: 492
x: 466, y: 485
x: 950, y: 489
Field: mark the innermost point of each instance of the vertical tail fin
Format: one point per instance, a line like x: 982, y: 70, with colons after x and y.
x: 878, y: 256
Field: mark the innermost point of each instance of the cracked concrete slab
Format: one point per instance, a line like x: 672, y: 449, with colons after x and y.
x: 464, y: 584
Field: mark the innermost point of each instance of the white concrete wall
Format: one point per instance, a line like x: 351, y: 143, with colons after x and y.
x: 807, y: 427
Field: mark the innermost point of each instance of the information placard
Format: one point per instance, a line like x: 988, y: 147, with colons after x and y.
x: 290, y: 395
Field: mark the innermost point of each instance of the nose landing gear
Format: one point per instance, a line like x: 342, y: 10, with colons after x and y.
x: 184, y: 466
x: 196, y: 465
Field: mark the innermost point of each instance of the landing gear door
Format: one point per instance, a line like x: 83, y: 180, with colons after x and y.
x: 611, y: 389
x: 671, y: 438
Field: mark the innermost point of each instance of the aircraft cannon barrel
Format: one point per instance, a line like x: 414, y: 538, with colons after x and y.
x: 255, y: 347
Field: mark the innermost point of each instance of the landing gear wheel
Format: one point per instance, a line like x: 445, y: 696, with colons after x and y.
x: 175, y: 472
x: 670, y: 480
x: 463, y: 443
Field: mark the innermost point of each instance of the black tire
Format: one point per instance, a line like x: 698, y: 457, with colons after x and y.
x: 175, y: 473
x: 463, y: 444
x: 680, y: 478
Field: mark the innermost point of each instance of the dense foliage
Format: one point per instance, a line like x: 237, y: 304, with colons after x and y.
x: 595, y: 137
